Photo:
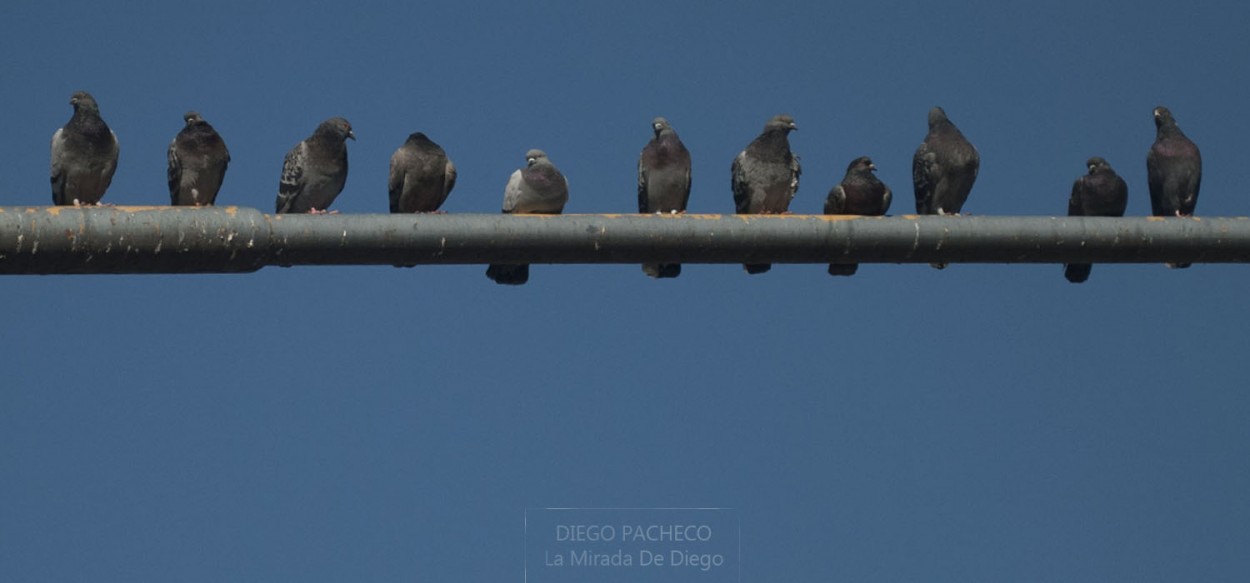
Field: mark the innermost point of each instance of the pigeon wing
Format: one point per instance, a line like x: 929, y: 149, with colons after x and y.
x: 835, y: 203
x: 742, y: 190
x: 643, y: 206
x: 922, y: 177
x: 513, y: 192
x: 292, y: 182
x: 449, y: 181
x: 795, y: 171
x: 395, y: 181
x: 58, y: 167
x: 175, y: 171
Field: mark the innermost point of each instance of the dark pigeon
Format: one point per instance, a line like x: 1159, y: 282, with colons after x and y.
x: 860, y: 193
x: 1174, y: 170
x: 663, y: 183
x: 766, y: 175
x: 538, y: 188
x: 84, y: 155
x: 421, y: 176
x: 1101, y: 193
x: 197, y: 163
x: 943, y: 169
x: 315, y: 170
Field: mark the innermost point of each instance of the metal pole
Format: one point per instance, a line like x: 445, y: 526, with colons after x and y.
x: 46, y: 240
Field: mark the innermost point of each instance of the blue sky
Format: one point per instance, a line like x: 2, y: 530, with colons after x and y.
x: 982, y: 423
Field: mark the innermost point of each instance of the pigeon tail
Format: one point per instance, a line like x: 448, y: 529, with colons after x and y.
x: 757, y: 268
x: 509, y: 274
x: 1077, y: 272
x: 843, y: 268
x: 662, y: 270
x: 1178, y: 265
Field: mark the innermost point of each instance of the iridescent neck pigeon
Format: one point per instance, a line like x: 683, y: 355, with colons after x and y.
x: 197, y: 163
x: 84, y: 155
x: 663, y: 183
x: 315, y: 170
x: 766, y: 175
x: 538, y: 188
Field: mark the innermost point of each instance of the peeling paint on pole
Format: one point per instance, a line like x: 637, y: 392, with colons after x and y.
x: 46, y: 240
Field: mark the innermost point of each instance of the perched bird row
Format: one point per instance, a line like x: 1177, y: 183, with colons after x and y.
x: 764, y: 176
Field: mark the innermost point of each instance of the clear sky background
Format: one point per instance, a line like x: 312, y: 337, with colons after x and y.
x: 982, y: 423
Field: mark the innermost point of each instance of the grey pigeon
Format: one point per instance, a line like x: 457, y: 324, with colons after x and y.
x: 860, y: 193
x: 1101, y: 193
x: 315, y: 170
x: 766, y: 175
x: 538, y: 188
x: 943, y: 169
x: 1174, y: 171
x: 197, y: 163
x: 663, y: 183
x: 421, y: 176
x: 84, y: 155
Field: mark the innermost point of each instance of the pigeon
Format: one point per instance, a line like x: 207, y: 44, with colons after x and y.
x: 1101, y: 193
x: 943, y: 169
x: 197, y: 163
x: 766, y: 175
x: 663, y: 183
x: 1174, y: 170
x: 860, y: 193
x: 538, y: 188
x: 421, y: 176
x: 84, y: 155
x: 315, y: 170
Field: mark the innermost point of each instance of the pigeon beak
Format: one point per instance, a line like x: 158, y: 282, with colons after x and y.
x: 794, y: 127
x: 351, y: 135
x: 872, y: 167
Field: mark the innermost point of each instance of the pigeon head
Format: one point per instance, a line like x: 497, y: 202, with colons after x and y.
x: 660, y: 124
x: 81, y: 100
x: 937, y: 116
x: 193, y: 118
x: 1097, y: 163
x: 533, y: 157
x: 1163, y: 117
x: 862, y: 164
x: 337, y: 127
x: 781, y: 122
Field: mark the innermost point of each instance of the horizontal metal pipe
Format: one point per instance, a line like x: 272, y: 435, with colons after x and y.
x: 45, y: 240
